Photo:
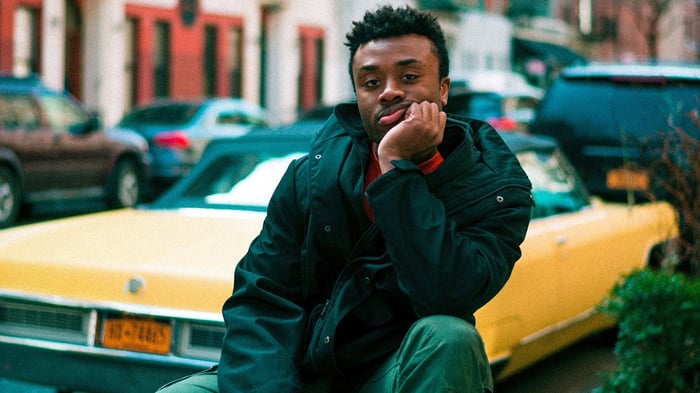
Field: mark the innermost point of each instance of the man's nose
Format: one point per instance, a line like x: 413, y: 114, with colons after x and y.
x: 392, y: 90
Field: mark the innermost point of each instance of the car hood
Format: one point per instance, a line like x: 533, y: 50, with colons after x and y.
x: 139, y: 257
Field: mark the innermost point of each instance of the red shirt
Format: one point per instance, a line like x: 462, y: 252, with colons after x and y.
x: 373, y: 172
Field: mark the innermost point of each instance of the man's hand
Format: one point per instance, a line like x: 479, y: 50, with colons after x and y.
x: 415, y: 138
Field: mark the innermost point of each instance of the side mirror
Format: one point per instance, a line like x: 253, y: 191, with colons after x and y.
x: 92, y: 123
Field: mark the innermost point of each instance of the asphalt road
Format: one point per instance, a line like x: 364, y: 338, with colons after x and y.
x: 577, y: 369
x: 574, y: 370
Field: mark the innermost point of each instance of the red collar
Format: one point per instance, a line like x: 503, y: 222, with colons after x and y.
x: 373, y: 172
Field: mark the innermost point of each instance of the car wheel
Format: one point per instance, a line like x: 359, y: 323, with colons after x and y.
x: 124, y: 189
x: 9, y: 197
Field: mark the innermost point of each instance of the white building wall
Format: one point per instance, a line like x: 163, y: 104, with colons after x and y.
x: 282, y: 62
x: 21, y: 42
x: 483, y: 42
x: 53, y: 36
x: 167, y: 4
x: 284, y: 53
x: 104, y: 58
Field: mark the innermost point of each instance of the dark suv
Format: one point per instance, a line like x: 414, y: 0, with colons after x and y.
x: 612, y: 120
x: 52, y: 149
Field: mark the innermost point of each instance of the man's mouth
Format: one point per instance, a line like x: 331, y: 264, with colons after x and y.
x: 393, y: 116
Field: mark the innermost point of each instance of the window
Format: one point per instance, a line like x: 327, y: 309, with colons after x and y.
x: 210, y: 64
x: 162, y: 60
x: 235, y: 62
x: 19, y: 111
x: 131, y: 65
x: 61, y: 113
x: 310, y: 83
x: 245, y: 181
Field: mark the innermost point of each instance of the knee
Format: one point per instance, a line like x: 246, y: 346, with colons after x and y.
x: 448, y: 331
x: 456, y: 346
x: 202, y: 382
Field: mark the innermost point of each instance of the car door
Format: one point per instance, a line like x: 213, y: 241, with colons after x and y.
x: 526, y: 305
x: 81, y: 151
x: 24, y: 135
x: 578, y: 234
x: 596, y: 250
x: 530, y: 304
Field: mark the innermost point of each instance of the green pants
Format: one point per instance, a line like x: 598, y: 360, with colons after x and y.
x: 438, y: 354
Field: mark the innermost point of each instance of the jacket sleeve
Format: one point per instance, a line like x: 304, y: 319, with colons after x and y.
x: 453, y: 247
x: 264, y: 323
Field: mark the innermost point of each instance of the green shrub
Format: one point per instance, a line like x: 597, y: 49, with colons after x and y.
x: 658, y: 344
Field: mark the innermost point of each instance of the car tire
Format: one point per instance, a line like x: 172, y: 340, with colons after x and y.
x: 124, y: 187
x: 9, y: 197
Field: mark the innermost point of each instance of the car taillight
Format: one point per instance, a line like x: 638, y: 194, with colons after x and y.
x: 504, y: 123
x: 172, y: 140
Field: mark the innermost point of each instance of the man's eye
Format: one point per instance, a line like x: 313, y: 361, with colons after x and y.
x: 371, y: 83
x: 410, y: 77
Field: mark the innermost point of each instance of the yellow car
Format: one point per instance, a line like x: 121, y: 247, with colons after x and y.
x: 135, y: 295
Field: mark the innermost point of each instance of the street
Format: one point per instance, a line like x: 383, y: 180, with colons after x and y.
x: 574, y: 370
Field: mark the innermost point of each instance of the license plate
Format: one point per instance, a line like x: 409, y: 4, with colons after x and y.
x: 140, y: 335
x: 628, y: 179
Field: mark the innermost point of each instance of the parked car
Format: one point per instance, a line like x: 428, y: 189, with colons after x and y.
x: 507, y: 111
x: 135, y: 294
x: 308, y: 121
x: 178, y: 131
x: 612, y: 120
x: 53, y: 149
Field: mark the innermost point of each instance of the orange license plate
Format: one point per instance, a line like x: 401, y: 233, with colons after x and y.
x: 140, y: 335
x: 628, y: 179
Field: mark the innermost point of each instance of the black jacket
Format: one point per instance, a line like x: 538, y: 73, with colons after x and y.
x: 323, y: 291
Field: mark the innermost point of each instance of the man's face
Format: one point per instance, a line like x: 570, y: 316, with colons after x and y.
x: 392, y: 73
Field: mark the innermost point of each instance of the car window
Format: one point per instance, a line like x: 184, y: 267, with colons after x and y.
x: 484, y: 107
x: 554, y: 187
x: 480, y: 106
x: 243, y: 181
x: 602, y: 110
x: 61, y: 113
x: 518, y: 103
x: 171, y: 114
x: 230, y: 118
x: 19, y: 111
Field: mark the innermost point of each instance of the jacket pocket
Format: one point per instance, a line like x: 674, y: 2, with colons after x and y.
x: 350, y: 291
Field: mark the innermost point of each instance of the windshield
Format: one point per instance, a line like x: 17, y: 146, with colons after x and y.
x: 243, y: 181
x: 554, y: 186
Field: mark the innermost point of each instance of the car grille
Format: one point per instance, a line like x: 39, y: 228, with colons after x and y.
x: 44, y: 322
x: 48, y: 319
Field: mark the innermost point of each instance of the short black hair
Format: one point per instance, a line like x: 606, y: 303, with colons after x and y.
x: 388, y: 21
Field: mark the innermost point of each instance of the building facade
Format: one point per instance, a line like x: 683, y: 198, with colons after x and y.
x: 114, y: 54
x: 287, y: 55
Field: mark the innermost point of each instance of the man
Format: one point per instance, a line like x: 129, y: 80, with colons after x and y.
x: 379, y: 245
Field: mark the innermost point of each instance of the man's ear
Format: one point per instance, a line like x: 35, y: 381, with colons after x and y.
x: 444, y: 89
